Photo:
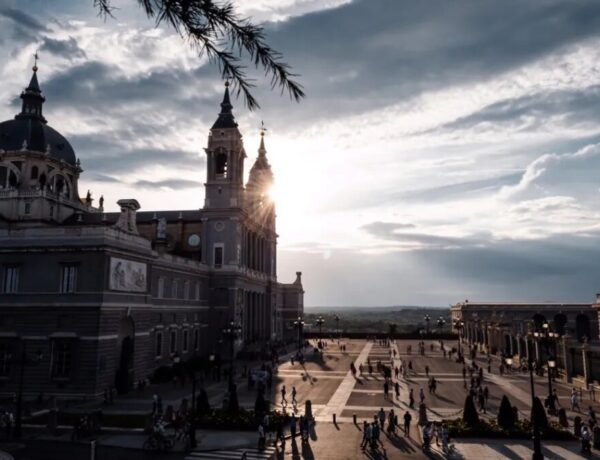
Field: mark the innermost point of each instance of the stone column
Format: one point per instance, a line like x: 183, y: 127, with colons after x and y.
x: 519, y: 351
x: 527, y: 351
x: 537, y: 350
x: 510, y: 339
x: 585, y: 352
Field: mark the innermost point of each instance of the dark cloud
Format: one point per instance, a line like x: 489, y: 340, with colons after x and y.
x: 22, y: 19
x: 174, y: 184
x: 381, y: 52
x: 396, y: 232
x: 68, y: 49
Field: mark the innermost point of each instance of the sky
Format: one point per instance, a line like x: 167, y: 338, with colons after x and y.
x: 445, y: 150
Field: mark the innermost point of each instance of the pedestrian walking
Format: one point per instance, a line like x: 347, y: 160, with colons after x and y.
x: 427, y: 371
x: 407, y: 420
x: 421, y: 395
x: 294, y: 393
x: 293, y: 423
x: 283, y: 400
x: 386, y: 390
x: 381, y: 416
x: 397, y: 388
x: 261, y: 437
x: 574, y: 401
x: 366, y: 436
x: 375, y: 436
x: 411, y: 399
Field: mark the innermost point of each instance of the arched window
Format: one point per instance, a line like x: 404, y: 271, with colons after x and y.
x: 34, y: 172
x: 560, y: 321
x: 59, y: 185
x: 221, y: 164
x: 8, y: 178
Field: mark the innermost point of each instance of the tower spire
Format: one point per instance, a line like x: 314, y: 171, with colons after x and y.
x: 225, y: 118
x: 32, y: 98
x: 262, y: 151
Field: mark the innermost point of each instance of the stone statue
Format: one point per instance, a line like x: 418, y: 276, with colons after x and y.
x: 101, y: 202
x: 88, y: 198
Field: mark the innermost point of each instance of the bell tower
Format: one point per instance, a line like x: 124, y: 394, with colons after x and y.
x: 224, y: 186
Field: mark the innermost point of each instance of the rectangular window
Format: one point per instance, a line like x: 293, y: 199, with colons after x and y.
x: 196, y: 339
x: 158, y: 338
x: 161, y: 288
x: 185, y: 340
x: 218, y: 256
x: 11, y: 279
x: 5, y: 359
x: 173, y: 344
x: 62, y: 359
x: 186, y: 290
x: 68, y: 280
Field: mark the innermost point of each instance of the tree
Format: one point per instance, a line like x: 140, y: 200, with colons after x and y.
x: 506, y: 417
x: 234, y: 405
x: 470, y: 416
x: 260, y: 406
x: 538, y: 414
x: 393, y: 329
x: 202, y: 404
x: 219, y: 33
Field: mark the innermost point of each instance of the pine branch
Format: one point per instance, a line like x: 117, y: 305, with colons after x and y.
x: 219, y: 33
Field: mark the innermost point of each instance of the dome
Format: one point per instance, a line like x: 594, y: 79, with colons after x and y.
x: 39, y: 138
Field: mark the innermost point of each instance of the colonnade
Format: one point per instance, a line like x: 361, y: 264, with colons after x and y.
x: 257, y: 317
x: 257, y: 252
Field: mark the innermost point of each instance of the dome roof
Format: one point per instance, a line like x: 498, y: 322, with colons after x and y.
x: 29, y: 130
x: 39, y: 138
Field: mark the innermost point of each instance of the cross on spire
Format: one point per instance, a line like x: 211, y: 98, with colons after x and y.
x: 263, y: 130
x: 35, y: 57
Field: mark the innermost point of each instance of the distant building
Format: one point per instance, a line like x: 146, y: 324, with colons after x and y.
x: 507, y: 329
x: 109, y: 297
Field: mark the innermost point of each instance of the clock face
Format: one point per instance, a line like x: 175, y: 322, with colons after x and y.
x: 219, y: 226
x: 194, y: 240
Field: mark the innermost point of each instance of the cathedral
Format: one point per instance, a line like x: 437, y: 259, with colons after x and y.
x: 104, y: 299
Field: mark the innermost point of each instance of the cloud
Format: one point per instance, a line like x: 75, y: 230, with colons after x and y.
x: 172, y: 184
x: 68, y: 49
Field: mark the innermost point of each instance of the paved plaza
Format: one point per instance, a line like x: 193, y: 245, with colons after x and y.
x: 325, y: 379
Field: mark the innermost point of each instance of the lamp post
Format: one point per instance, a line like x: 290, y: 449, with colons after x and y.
x: 427, y: 319
x: 299, y: 324
x: 320, y: 321
x: 23, y: 361
x: 230, y: 332
x: 441, y: 322
x: 459, y: 324
x: 337, y: 325
x: 509, y: 362
x: 537, y: 443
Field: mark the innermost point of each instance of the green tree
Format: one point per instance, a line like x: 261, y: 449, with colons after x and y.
x: 470, y: 416
x: 215, y: 30
x: 506, y: 417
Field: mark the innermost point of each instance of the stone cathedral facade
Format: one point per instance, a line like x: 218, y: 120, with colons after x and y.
x: 103, y: 295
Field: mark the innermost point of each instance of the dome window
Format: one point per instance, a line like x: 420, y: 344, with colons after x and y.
x: 34, y: 173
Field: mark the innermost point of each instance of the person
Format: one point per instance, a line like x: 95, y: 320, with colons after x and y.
x: 574, y: 401
x: 426, y: 436
x: 261, y: 437
x: 411, y: 399
x: 397, y: 388
x: 294, y: 393
x: 481, y: 400
x: 381, y: 417
x: 427, y: 371
x: 436, y: 432
x: 410, y: 368
x: 407, y: 420
x: 366, y: 434
x: 421, y: 395
x: 586, y: 440
x: 386, y: 389
x: 293, y: 426
x: 283, y: 400
x: 304, y: 427
x: 375, y: 436
x: 279, y: 436
x: 486, y: 393
x: 556, y: 401
x: 445, y: 438
x: 391, y: 422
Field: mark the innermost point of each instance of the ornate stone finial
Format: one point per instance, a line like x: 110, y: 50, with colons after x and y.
x: 127, y: 218
x: 35, y: 59
x: 24, y: 145
x: 101, y: 202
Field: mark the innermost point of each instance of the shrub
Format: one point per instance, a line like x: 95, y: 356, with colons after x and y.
x: 234, y: 405
x: 538, y: 414
x: 260, y: 404
x: 202, y: 404
x: 506, y: 417
x: 470, y: 416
